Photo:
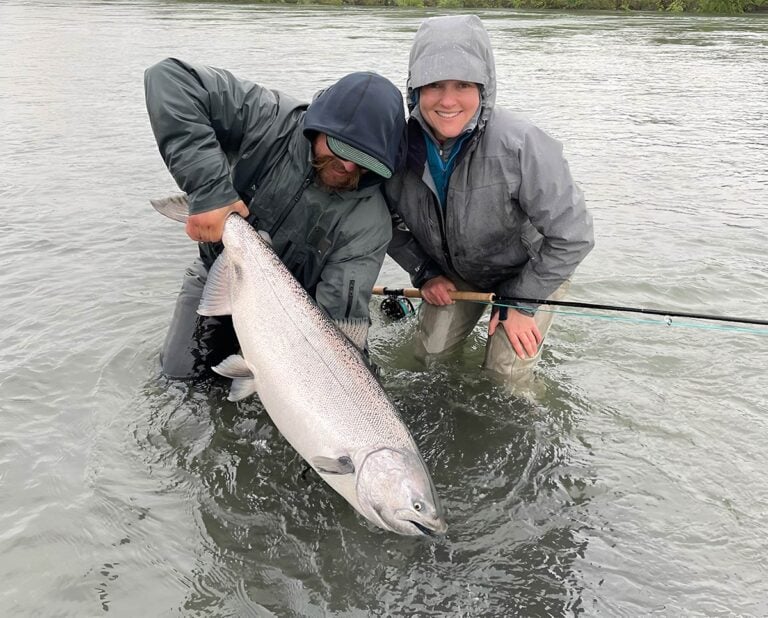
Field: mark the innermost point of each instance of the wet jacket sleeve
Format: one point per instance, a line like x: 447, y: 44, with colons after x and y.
x: 555, y: 206
x: 404, y: 248
x: 203, y: 119
x: 347, y: 280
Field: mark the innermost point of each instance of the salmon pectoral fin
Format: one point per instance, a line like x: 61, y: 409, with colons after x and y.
x: 329, y: 465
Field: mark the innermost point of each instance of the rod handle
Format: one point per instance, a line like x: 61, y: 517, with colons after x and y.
x: 483, y: 297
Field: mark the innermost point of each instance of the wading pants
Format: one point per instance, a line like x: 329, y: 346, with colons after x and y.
x: 195, y: 343
x: 443, y: 328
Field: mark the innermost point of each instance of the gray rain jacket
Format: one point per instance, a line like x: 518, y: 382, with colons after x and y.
x: 225, y: 139
x: 514, y: 222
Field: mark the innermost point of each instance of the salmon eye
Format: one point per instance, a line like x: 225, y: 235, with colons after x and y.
x: 417, y: 506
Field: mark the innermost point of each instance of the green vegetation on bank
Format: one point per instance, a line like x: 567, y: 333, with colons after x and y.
x: 723, y: 7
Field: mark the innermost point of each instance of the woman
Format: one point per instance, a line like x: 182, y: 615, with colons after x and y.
x: 486, y: 203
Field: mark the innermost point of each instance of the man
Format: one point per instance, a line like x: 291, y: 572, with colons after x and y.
x: 486, y: 203
x: 309, y: 175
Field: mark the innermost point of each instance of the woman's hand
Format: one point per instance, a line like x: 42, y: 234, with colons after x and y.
x: 435, y: 291
x: 521, y: 329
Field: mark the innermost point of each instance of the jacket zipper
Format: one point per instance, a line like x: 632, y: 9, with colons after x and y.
x: 292, y: 204
x: 443, y: 227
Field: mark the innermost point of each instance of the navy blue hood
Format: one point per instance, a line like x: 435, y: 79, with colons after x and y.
x: 364, y: 110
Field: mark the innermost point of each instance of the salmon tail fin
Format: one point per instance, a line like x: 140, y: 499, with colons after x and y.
x: 174, y: 207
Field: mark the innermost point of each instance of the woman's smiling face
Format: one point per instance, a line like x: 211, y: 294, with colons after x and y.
x: 448, y: 106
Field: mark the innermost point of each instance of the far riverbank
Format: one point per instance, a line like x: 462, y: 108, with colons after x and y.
x: 719, y: 7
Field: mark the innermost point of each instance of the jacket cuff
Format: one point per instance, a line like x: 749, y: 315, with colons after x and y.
x: 214, y: 195
x: 507, y: 290
x: 426, y: 271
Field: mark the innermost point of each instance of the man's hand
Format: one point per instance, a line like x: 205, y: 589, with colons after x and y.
x: 522, y: 331
x: 435, y: 291
x: 209, y: 226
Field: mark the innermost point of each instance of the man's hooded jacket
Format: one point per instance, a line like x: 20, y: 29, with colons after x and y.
x: 225, y: 139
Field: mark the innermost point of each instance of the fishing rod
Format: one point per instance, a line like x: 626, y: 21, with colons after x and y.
x: 504, y: 301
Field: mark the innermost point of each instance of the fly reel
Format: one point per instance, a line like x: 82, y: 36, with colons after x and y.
x: 397, y: 307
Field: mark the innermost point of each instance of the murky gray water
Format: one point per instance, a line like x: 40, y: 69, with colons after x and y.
x: 634, y: 484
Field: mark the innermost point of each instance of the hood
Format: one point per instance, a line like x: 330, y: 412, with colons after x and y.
x: 364, y: 110
x: 454, y: 47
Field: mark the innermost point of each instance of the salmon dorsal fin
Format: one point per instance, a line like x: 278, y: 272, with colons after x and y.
x: 354, y: 329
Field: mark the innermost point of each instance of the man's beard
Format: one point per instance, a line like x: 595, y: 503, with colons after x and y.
x: 331, y: 176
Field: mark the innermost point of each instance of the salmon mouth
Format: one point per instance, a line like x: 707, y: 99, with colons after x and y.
x: 423, y: 529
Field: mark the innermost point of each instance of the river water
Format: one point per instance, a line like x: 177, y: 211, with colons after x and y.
x: 633, y: 482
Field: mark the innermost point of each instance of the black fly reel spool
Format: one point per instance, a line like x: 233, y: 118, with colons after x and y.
x: 396, y: 307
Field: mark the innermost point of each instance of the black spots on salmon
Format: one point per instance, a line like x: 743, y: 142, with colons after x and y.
x: 237, y: 272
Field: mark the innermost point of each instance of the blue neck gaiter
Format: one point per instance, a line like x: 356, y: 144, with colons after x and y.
x: 441, y: 170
